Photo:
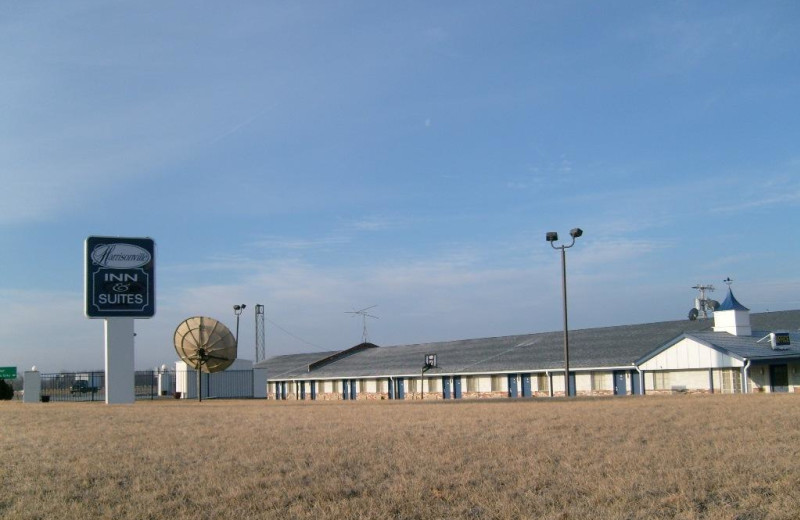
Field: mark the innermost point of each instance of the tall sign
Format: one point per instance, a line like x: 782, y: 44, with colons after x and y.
x: 120, y: 287
x: 120, y: 277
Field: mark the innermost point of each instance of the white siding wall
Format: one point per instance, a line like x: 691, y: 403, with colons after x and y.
x: 758, y: 377
x: 690, y: 354
x: 558, y: 383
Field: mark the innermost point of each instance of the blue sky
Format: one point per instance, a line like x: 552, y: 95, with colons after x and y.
x: 322, y: 157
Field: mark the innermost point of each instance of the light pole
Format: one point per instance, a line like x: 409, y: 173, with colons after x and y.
x: 551, y: 237
x: 237, y: 310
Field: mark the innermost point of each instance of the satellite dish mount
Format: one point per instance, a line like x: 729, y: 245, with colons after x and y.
x: 703, y: 305
x: 206, y: 345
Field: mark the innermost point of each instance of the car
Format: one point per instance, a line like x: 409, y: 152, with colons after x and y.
x: 82, y: 387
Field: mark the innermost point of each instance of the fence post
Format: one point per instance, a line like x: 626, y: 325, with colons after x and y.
x: 32, y: 386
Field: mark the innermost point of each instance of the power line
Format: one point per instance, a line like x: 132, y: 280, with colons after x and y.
x: 298, y: 338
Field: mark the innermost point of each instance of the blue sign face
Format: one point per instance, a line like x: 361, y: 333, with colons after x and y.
x: 120, y: 277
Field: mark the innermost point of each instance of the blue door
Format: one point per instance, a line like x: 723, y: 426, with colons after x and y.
x: 456, y: 387
x: 620, y: 383
x: 345, y: 390
x: 313, y: 390
x: 572, y: 383
x: 446, y: 387
x: 302, y: 390
x: 353, y: 389
x: 512, y: 385
x: 283, y: 390
x: 526, y: 385
x: 636, y: 386
x: 391, y: 388
x: 401, y: 388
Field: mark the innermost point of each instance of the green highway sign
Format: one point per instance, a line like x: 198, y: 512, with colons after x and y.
x: 8, y: 372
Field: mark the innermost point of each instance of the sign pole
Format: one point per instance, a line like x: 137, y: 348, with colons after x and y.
x: 119, y: 361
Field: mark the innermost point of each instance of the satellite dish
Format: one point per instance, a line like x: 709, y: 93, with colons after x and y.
x: 205, y: 345
x: 693, y: 314
x: 713, y: 304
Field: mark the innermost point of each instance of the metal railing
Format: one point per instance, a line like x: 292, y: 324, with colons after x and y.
x: 90, y: 386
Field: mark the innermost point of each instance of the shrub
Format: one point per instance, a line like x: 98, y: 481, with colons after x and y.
x: 6, y: 391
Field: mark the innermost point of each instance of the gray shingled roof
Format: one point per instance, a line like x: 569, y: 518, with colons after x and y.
x: 749, y: 347
x: 605, y: 347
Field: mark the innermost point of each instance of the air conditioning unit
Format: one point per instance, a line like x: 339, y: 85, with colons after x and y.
x: 779, y: 340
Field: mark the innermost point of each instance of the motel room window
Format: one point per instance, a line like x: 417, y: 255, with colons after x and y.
x: 661, y: 381
x: 731, y: 381
x: 472, y: 383
x: 499, y: 383
x: 542, y: 383
x: 434, y: 384
x: 601, y: 381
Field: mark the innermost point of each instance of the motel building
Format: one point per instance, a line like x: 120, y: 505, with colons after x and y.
x: 733, y: 352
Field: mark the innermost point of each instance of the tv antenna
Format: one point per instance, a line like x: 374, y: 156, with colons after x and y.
x: 703, y: 305
x: 206, y: 345
x: 364, y: 315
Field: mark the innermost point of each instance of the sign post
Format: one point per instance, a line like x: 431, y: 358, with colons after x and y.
x: 120, y: 287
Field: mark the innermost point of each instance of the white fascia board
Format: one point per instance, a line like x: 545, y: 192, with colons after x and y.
x: 451, y: 374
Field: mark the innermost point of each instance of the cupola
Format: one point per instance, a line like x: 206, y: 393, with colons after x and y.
x: 732, y: 317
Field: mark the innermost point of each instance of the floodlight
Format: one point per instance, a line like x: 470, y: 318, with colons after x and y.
x: 552, y: 237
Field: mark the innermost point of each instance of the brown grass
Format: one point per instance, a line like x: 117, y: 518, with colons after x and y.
x: 732, y: 457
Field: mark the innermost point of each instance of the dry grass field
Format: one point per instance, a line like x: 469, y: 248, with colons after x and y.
x: 731, y: 457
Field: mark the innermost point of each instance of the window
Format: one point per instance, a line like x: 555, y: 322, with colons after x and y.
x: 601, y: 381
x: 472, y: 383
x: 434, y: 384
x: 411, y: 385
x: 661, y: 381
x: 731, y: 381
x: 542, y: 383
x: 498, y: 383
